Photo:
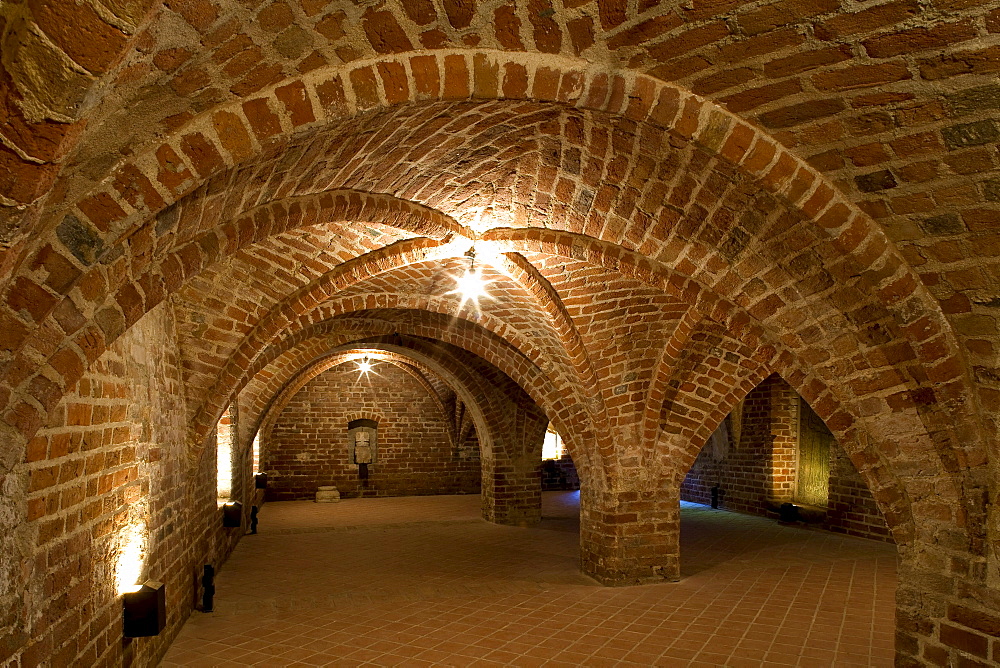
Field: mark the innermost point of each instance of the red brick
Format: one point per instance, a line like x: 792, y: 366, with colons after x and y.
x: 233, y: 134
x: 456, y: 78
x: 365, y: 87
x: 79, y: 31
x: 264, y: 122
x: 384, y: 33
x: 394, y: 82
x: 966, y: 641
x: 296, y: 100
x: 861, y: 76
x: 507, y: 27
x: 204, y: 156
x: 546, y: 31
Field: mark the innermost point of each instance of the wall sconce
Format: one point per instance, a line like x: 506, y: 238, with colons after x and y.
x: 145, y: 610
x: 260, y: 480
x: 232, y: 514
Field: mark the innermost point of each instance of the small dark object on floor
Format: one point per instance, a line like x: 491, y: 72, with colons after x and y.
x: 789, y: 513
x: 208, y: 582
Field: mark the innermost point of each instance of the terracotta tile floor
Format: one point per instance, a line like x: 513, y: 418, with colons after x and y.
x: 422, y: 581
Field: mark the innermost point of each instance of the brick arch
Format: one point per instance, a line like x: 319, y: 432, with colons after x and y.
x: 890, y: 493
x: 556, y: 80
x: 370, y: 285
x: 899, y: 294
x: 45, y: 88
x: 715, y: 372
x: 472, y: 392
x: 656, y: 394
x: 761, y: 323
x: 202, y: 147
x: 570, y: 82
x: 702, y: 382
x: 275, y: 404
x: 472, y: 337
x: 711, y: 49
x: 297, y: 311
x: 734, y: 317
x: 851, y: 426
x: 526, y: 275
x: 374, y: 417
x: 88, y: 338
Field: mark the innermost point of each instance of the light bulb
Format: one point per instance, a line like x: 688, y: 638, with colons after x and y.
x: 364, y: 366
x: 471, y: 285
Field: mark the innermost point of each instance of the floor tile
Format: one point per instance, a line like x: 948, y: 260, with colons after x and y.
x: 423, y: 581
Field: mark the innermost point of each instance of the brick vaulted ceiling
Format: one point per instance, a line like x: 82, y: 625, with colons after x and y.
x: 674, y: 200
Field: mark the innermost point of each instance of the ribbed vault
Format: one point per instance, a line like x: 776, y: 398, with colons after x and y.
x: 672, y: 201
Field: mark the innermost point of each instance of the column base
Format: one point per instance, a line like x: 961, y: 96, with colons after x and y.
x: 630, y: 538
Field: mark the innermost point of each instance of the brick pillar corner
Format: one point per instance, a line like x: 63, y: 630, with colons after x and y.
x: 630, y: 537
x: 512, y: 491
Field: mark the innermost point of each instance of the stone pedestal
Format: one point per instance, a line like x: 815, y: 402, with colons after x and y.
x: 327, y: 494
x: 630, y: 537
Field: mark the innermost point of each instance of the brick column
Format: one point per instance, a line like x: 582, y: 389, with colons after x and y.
x: 630, y: 537
x: 512, y: 471
x: 512, y: 490
x: 784, y: 409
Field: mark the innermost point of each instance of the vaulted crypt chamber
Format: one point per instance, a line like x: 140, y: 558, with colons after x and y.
x: 768, y: 227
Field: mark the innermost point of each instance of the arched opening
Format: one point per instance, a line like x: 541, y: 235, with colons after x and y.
x: 558, y: 471
x: 774, y: 450
x: 384, y: 432
x: 255, y: 453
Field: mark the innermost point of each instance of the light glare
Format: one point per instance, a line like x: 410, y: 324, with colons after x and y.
x: 471, y: 285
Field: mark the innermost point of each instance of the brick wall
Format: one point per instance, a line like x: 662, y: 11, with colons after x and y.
x: 559, y: 474
x: 851, y: 508
x: 758, y: 472
x: 742, y: 471
x: 308, y: 445
x: 110, y: 465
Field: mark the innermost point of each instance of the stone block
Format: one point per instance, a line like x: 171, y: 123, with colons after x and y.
x: 327, y: 494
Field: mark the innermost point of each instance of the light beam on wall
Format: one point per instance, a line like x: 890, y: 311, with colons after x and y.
x: 131, y: 557
x: 224, y: 456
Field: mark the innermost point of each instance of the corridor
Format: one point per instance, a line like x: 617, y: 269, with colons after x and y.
x: 423, y: 581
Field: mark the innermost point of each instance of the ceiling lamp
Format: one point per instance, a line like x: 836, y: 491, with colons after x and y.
x: 364, y: 366
x: 470, y: 285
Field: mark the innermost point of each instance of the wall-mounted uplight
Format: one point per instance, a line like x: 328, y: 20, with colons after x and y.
x: 470, y: 286
x: 232, y: 514
x: 144, y: 610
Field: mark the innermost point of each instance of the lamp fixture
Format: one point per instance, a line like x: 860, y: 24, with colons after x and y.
x: 144, y: 610
x: 470, y: 285
x: 365, y: 365
x: 232, y: 514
